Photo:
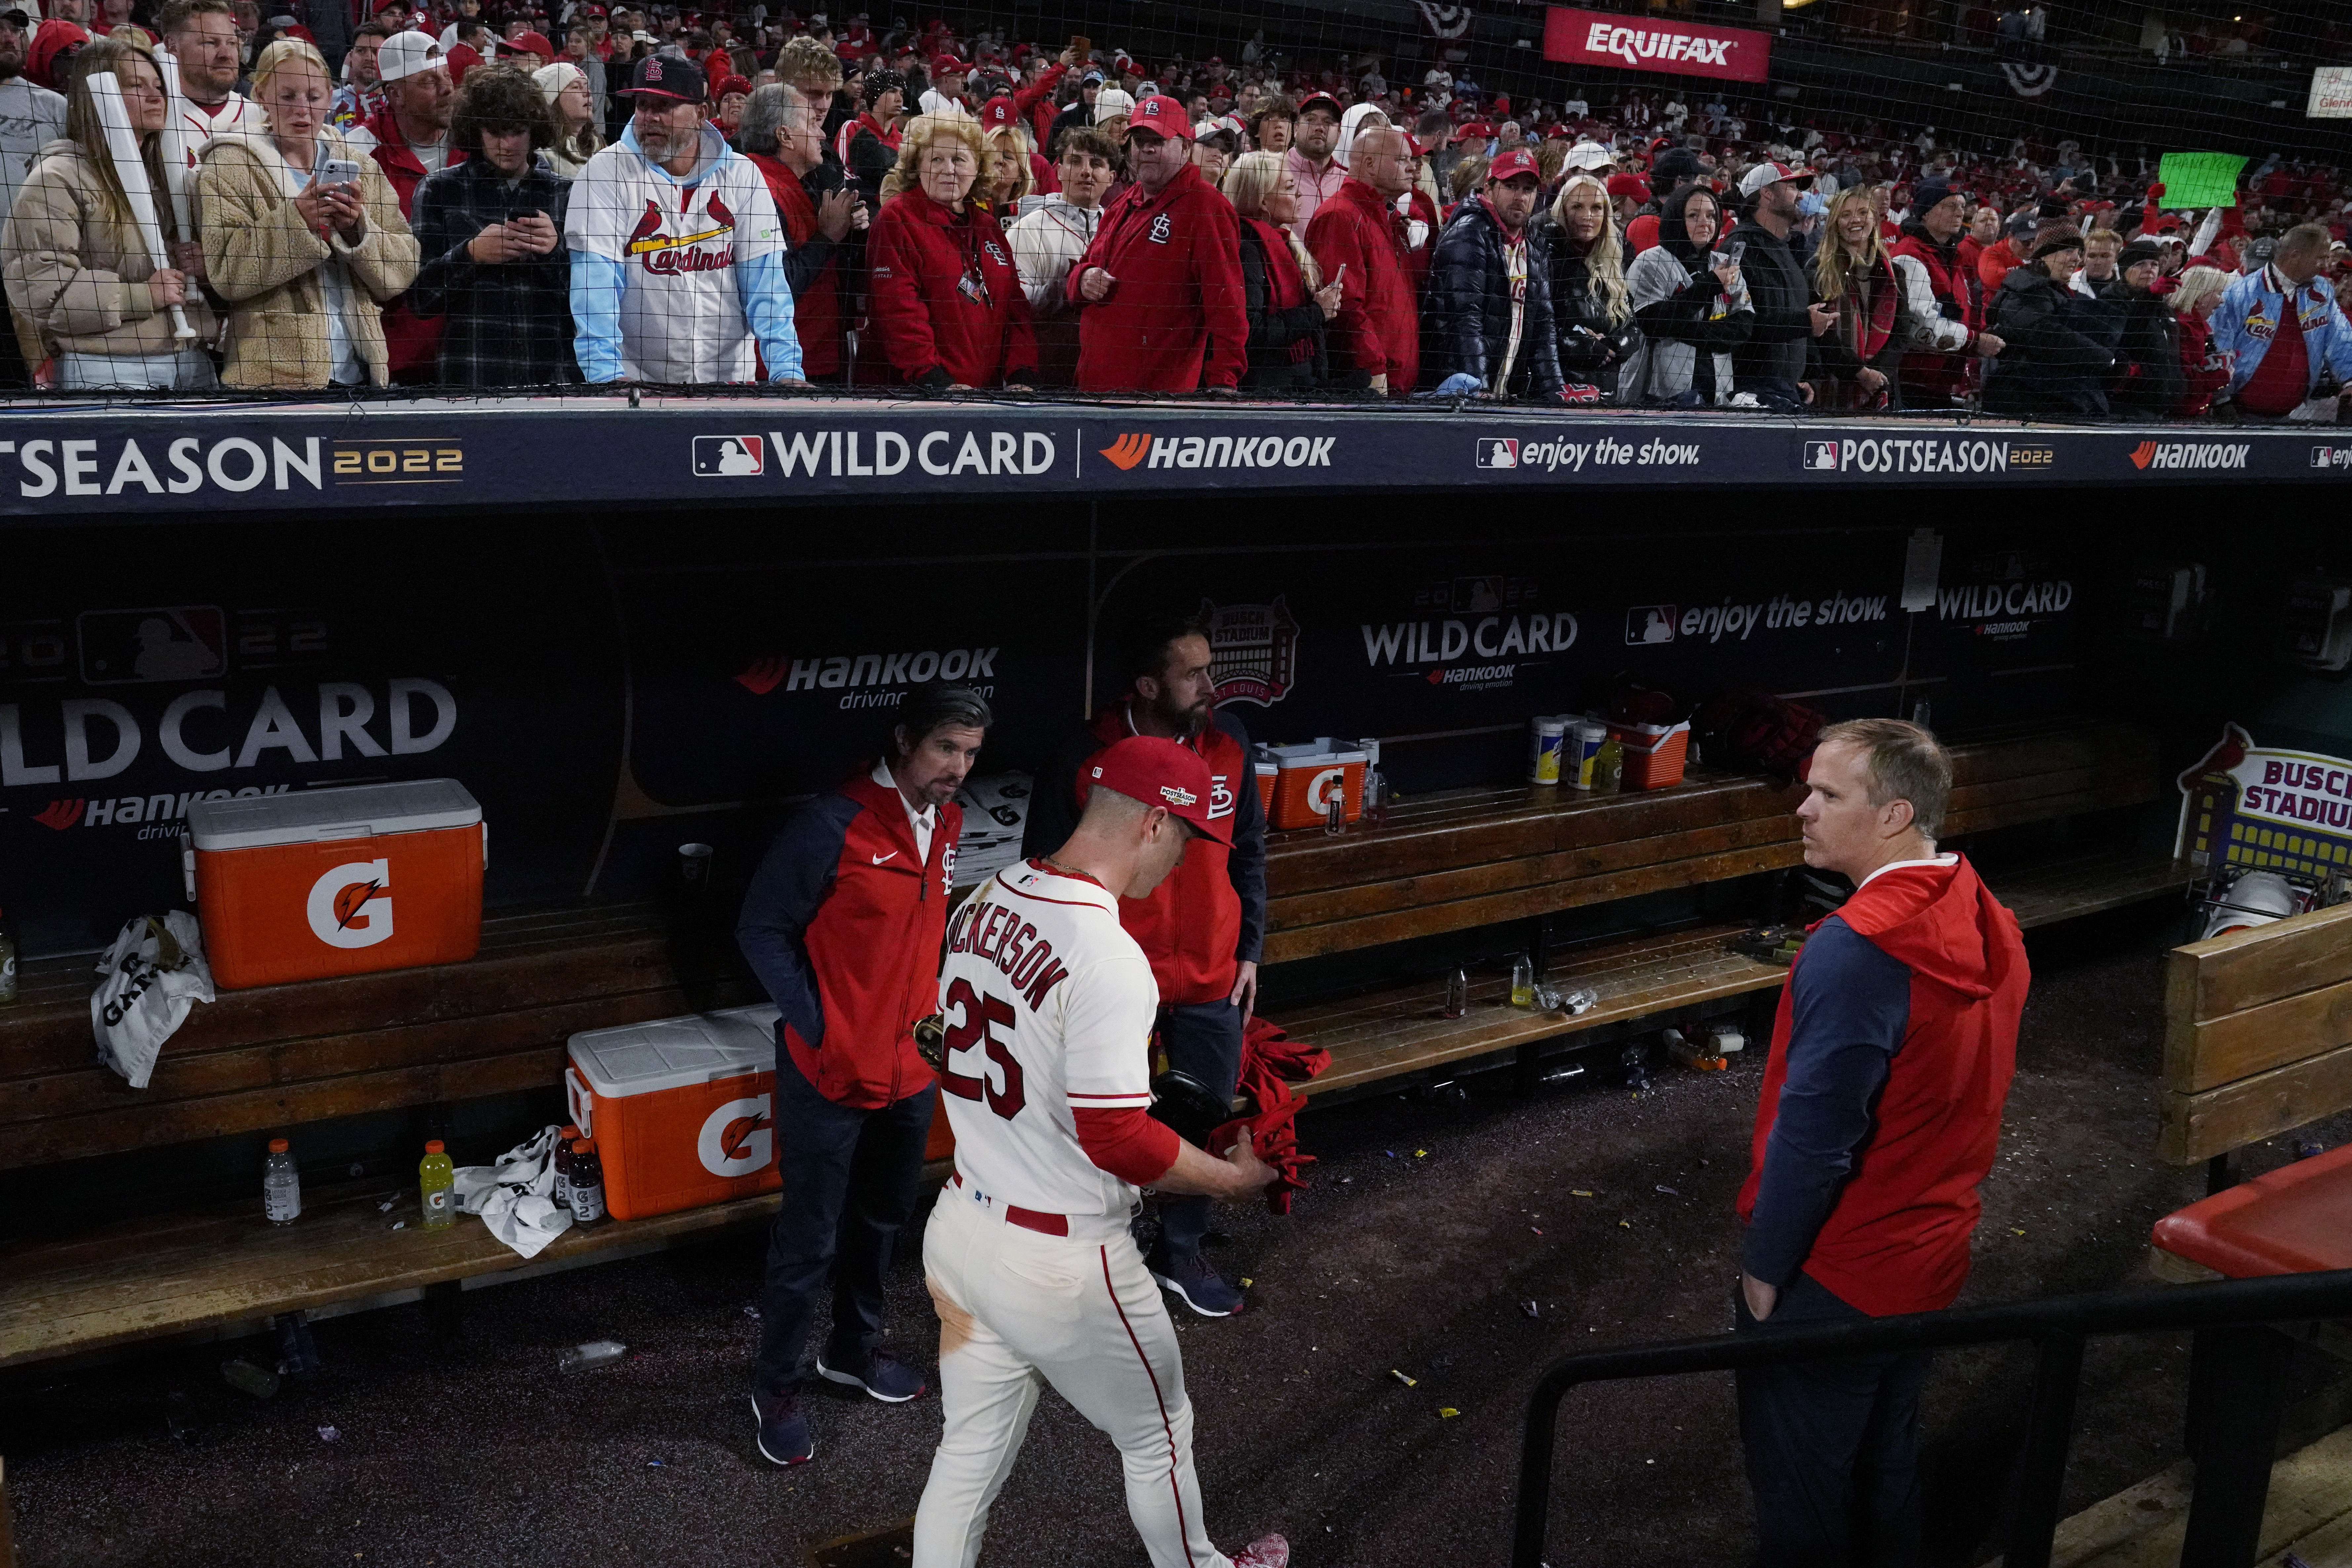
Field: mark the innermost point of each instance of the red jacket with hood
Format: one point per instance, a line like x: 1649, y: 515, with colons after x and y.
x: 1960, y: 293
x: 1377, y: 328
x: 843, y: 923
x: 936, y: 331
x: 1175, y: 318
x: 413, y: 342
x: 1200, y: 924
x: 1891, y: 1057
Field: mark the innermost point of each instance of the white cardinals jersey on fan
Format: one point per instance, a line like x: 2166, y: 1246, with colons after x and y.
x: 1049, y: 1005
x: 679, y: 244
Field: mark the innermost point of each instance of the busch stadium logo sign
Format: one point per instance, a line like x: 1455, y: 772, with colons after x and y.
x: 2256, y: 808
x: 1253, y: 650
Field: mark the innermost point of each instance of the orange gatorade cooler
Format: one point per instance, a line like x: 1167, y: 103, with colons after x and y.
x: 682, y: 1109
x: 337, y: 882
x: 1654, y: 753
x: 1267, y: 771
x: 1308, y: 777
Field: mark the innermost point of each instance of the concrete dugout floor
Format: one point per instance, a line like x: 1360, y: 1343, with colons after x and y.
x: 477, y: 1451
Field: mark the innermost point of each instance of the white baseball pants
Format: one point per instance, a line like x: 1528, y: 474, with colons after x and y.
x: 1019, y: 1310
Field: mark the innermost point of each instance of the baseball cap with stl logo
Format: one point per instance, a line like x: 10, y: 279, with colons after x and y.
x: 1162, y: 116
x: 1158, y: 772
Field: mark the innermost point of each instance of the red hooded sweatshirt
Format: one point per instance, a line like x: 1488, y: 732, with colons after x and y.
x: 1176, y: 305
x: 1881, y: 1110
x: 945, y: 297
x: 1377, y: 328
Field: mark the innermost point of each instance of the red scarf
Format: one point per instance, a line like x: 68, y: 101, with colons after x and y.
x: 1867, y: 336
x: 1285, y: 284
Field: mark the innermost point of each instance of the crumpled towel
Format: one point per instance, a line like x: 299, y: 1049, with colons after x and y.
x: 1271, y: 1063
x: 150, y: 979
x: 515, y: 1197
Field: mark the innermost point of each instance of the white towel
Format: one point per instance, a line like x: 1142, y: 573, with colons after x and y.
x: 515, y: 1197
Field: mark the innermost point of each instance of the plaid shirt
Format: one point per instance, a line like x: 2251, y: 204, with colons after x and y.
x: 509, y: 324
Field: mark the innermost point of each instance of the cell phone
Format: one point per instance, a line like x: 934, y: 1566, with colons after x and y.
x: 337, y: 171
x: 1733, y: 251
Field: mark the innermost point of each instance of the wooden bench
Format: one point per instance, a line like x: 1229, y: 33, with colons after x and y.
x: 1470, y: 858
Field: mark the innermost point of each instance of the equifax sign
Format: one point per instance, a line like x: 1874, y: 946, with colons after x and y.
x: 1641, y: 44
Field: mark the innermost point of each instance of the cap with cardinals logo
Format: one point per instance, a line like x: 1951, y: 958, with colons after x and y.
x: 666, y: 76
x: 1162, y: 116
x: 1511, y: 164
x: 997, y: 113
x: 1158, y: 772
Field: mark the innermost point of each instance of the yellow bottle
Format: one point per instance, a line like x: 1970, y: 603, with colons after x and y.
x: 1523, y: 982
x: 437, y: 1179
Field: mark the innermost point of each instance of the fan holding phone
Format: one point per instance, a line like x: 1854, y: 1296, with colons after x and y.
x: 302, y: 237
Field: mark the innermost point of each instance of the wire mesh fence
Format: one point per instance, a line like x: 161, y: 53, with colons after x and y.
x: 2071, y: 211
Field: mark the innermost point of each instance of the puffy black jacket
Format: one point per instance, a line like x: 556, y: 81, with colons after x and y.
x: 1466, y: 320
x: 1591, y: 355
x: 2058, y: 347
x: 2148, y: 375
x: 1274, y: 333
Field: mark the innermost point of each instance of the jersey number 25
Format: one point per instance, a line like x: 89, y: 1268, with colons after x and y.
x: 978, y: 1016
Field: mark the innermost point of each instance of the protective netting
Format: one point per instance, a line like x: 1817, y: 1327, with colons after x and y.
x: 1910, y: 207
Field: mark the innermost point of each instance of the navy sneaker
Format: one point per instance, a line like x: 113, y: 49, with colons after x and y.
x: 1198, y: 1285
x: 884, y: 1375
x: 784, y: 1430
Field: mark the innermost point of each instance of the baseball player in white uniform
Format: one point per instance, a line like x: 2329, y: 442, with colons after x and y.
x: 1048, y: 1005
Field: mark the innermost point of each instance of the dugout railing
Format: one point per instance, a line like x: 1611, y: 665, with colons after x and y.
x: 2242, y: 1361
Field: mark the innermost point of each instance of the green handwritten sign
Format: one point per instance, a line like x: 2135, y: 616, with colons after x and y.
x: 2200, y: 179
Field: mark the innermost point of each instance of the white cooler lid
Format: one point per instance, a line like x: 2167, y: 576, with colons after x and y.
x: 671, y: 1053
x: 352, y: 812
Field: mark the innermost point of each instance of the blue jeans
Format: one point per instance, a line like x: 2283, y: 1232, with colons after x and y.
x: 851, y: 1179
x: 1203, y: 1040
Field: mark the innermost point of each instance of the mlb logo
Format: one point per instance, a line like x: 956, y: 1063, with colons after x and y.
x: 1821, y: 455
x: 729, y: 457
x: 1497, y: 452
x: 2331, y: 457
x: 1650, y: 623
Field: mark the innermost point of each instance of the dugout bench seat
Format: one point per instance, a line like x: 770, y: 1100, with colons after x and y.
x: 1475, y: 857
x: 275, y: 1057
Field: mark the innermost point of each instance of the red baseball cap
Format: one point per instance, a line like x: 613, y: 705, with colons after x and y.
x: 1633, y: 185
x: 535, y: 43
x: 948, y: 65
x: 1162, y: 116
x: 997, y: 113
x: 1320, y: 101
x: 1158, y: 772
x: 1517, y: 162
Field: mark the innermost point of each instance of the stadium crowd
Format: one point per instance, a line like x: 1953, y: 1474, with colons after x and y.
x: 455, y: 199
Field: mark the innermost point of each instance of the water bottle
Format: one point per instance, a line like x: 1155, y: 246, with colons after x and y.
x: 1457, y: 994
x: 281, y: 1186
x: 1523, y: 982
x: 436, y: 1182
x: 595, y: 1354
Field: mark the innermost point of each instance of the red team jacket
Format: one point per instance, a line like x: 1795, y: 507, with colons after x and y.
x: 816, y: 309
x: 1896, y: 1239
x: 412, y: 342
x: 928, y: 318
x: 1377, y: 328
x: 843, y: 924
x: 1176, y: 308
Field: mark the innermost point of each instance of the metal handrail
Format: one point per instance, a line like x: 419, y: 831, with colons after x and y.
x: 2057, y: 1326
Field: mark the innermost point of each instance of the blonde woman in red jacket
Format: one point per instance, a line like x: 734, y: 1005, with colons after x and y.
x: 944, y: 295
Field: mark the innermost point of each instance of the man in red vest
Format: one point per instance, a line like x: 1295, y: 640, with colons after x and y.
x: 1881, y: 1109
x: 1203, y: 928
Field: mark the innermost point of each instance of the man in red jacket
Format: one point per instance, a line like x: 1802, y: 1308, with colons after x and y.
x: 843, y: 924
x: 1881, y: 1110
x: 1358, y: 238
x: 1159, y: 290
x: 409, y: 139
x: 1203, y: 928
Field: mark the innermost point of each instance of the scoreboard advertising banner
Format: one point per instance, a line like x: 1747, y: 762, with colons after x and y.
x: 60, y: 463
x: 603, y: 714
